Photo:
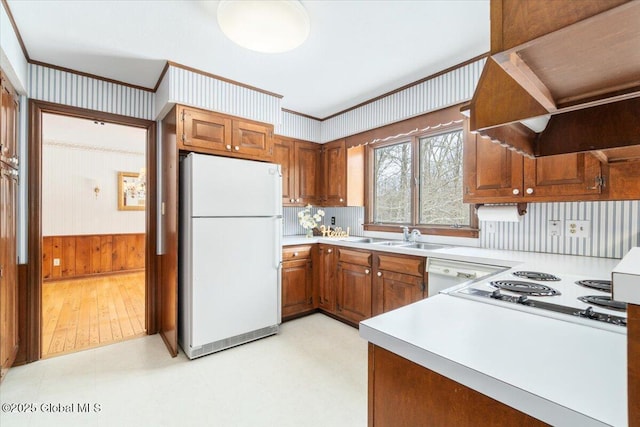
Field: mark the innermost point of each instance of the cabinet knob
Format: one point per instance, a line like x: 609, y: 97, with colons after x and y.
x: 366, y: 271
x: 297, y: 200
x: 379, y: 274
x: 329, y: 251
x: 237, y: 148
x: 529, y: 190
x: 228, y: 147
x: 516, y: 191
x: 291, y: 200
x: 341, y: 200
x: 295, y: 254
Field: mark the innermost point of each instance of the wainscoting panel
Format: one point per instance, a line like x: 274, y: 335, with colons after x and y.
x: 62, y: 87
x: 299, y: 127
x: 85, y: 255
x: 615, y: 228
x: 195, y: 89
x: 442, y: 91
x: 351, y: 217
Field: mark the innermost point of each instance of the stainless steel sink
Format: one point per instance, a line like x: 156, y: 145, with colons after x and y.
x: 429, y: 246
x: 391, y: 243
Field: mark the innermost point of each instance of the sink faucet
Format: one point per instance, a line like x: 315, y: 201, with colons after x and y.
x: 415, y: 234
x: 405, y: 234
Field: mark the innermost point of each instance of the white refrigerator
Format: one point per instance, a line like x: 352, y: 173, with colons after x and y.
x: 230, y: 252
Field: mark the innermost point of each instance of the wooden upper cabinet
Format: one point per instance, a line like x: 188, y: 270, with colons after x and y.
x: 8, y: 125
x: 284, y: 155
x: 342, y: 174
x: 208, y: 132
x: 578, y: 174
x: 334, y: 167
x: 495, y: 174
x: 252, y: 139
x: 308, y: 157
x: 203, y: 130
x: 514, y: 22
x: 491, y: 172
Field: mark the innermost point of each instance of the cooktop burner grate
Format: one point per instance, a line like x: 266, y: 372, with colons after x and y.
x: 604, y: 301
x: 536, y: 275
x: 525, y: 288
x: 601, y: 285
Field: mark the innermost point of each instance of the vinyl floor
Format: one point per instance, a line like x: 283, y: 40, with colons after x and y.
x: 313, y: 373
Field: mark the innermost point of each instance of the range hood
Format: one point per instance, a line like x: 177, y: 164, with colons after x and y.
x: 574, y: 87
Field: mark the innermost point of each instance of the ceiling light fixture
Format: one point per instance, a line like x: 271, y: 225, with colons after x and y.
x: 268, y: 26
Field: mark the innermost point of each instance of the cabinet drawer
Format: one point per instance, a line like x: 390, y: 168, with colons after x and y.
x: 401, y: 264
x: 354, y: 257
x: 296, y: 252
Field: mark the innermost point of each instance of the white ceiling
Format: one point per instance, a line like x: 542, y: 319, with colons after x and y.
x: 57, y: 128
x: 356, y: 50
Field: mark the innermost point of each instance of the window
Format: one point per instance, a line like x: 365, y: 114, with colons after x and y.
x: 440, y: 175
x: 418, y: 182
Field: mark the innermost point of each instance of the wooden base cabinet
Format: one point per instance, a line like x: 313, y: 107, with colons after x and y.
x: 207, y: 132
x: 327, y: 278
x: 297, y: 281
x: 403, y: 393
x: 353, y: 297
x: 398, y: 280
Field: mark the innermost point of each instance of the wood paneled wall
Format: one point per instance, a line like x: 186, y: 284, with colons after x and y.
x: 91, y: 254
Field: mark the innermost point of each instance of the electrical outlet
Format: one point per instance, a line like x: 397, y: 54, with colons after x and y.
x: 56, y: 262
x: 333, y: 220
x: 575, y: 228
x: 555, y: 228
x: 490, y: 227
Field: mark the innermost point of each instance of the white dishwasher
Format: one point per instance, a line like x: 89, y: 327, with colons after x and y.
x: 444, y: 273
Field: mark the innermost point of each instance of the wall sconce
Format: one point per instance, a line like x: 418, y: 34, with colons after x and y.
x: 95, y: 186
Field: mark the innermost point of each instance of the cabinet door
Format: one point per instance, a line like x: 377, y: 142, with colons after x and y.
x: 296, y: 287
x: 353, y: 300
x: 8, y: 269
x: 392, y: 290
x: 8, y: 125
x: 334, y: 179
x: 327, y: 278
x: 492, y: 173
x: 563, y: 175
x: 308, y: 156
x: 284, y: 155
x: 253, y: 140
x: 203, y: 131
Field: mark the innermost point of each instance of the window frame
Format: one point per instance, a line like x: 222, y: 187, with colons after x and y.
x: 470, y: 230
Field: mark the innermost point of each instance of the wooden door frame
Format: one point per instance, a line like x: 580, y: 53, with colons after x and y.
x: 32, y: 332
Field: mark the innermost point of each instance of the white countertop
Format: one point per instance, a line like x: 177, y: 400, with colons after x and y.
x: 562, y: 373
x: 597, y: 268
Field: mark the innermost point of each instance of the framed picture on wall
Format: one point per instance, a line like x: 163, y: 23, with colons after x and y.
x: 132, y: 191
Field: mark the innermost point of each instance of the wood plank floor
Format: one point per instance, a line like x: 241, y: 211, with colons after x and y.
x: 84, y: 313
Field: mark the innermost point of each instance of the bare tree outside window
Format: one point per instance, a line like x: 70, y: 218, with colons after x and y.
x: 425, y: 170
x: 392, y: 177
x: 441, y: 180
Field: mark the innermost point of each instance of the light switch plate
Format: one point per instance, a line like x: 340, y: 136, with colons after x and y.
x: 490, y: 227
x: 555, y: 228
x: 575, y: 228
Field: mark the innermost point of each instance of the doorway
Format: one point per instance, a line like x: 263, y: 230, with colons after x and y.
x: 85, y: 264
x: 93, y: 233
